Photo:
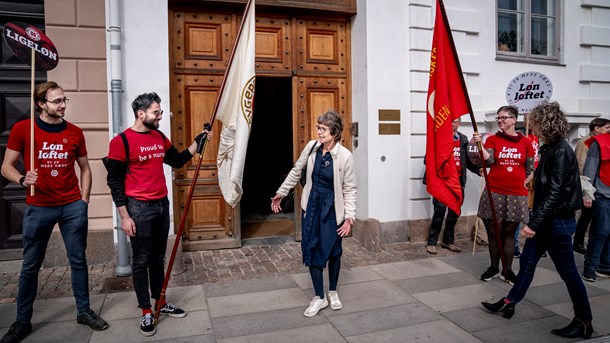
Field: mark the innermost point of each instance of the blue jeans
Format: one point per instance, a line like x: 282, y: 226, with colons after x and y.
x: 598, y: 252
x: 557, y: 240
x: 38, y: 224
x: 148, y: 247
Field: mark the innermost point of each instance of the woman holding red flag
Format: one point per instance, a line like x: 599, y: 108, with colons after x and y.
x: 510, y: 156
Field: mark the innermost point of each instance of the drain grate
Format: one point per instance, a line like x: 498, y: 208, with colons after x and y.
x: 117, y: 284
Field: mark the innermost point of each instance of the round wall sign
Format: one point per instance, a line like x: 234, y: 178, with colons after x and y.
x: 22, y: 38
x: 527, y: 90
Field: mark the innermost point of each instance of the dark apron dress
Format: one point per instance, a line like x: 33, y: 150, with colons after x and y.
x: 320, y: 239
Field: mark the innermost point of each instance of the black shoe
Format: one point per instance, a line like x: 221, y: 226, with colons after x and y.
x: 509, y: 276
x: 17, y: 332
x: 504, y: 306
x: 147, y: 325
x: 172, y: 311
x: 92, y: 320
x: 580, y: 249
x: 490, y: 273
x: 576, y: 329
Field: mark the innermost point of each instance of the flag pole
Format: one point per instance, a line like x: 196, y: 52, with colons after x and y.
x: 476, y: 130
x: 187, y: 204
x: 32, y: 116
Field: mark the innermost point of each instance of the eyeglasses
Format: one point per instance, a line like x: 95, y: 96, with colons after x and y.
x: 503, y: 118
x: 321, y: 128
x: 157, y: 113
x: 58, y: 102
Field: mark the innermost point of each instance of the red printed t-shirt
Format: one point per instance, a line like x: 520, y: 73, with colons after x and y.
x: 457, y: 147
x: 55, y: 154
x: 507, y: 174
x: 145, y: 180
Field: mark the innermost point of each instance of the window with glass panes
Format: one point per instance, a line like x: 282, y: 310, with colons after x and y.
x: 528, y: 29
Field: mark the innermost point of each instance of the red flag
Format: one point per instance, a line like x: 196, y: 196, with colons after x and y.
x: 447, y: 100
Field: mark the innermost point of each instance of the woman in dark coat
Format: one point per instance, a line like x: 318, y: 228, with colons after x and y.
x: 557, y: 196
x: 329, y: 200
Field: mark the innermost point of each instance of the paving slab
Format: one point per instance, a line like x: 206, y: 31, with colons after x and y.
x: 600, y: 307
x: 347, y: 276
x: 50, y: 310
x: 196, y: 323
x: 60, y: 331
x: 413, y: 269
x: 477, y: 318
x: 249, y: 286
x: 536, y: 330
x: 370, y: 295
x: 457, y: 298
x: 557, y: 293
x: 257, y: 302
x: 262, y: 322
x: 353, y: 324
x: 319, y: 333
x: 440, y: 331
x: 435, y: 282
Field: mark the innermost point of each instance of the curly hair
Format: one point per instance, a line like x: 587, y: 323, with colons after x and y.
x: 549, y: 122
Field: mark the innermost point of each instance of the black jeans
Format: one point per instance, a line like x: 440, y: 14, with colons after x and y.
x: 148, y: 247
x: 437, y: 223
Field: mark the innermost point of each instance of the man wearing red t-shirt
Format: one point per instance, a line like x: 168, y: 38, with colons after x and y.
x: 57, y: 199
x: 140, y: 194
x: 462, y: 162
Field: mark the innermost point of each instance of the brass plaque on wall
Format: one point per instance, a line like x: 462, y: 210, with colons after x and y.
x: 389, y: 129
x: 389, y: 115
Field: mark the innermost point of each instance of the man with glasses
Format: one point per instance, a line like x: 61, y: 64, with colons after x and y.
x: 137, y: 184
x: 53, y: 197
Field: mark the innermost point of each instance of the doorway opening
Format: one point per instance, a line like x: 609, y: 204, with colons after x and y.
x: 268, y: 161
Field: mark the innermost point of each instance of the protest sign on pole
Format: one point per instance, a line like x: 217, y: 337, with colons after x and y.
x: 34, y: 48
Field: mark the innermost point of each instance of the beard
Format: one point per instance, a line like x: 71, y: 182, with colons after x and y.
x: 151, y: 124
x: 55, y: 114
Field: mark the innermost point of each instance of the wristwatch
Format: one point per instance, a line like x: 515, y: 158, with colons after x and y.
x: 21, y: 181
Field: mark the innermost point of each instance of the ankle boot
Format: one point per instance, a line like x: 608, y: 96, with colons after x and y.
x: 576, y: 329
x: 504, y: 305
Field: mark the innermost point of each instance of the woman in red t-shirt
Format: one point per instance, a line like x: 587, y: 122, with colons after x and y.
x: 510, y: 156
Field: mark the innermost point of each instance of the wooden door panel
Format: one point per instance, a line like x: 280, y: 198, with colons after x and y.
x: 201, y: 40
x: 315, y: 96
x: 323, y: 46
x: 273, y: 46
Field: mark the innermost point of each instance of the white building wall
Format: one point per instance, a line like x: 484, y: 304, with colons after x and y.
x: 145, y: 63
x: 383, y: 84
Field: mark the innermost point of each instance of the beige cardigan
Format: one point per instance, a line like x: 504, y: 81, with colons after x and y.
x: 344, y: 179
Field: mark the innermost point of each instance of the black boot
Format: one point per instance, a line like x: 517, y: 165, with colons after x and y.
x: 576, y: 329
x: 504, y: 306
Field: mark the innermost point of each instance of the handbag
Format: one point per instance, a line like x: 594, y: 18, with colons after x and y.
x: 303, y: 180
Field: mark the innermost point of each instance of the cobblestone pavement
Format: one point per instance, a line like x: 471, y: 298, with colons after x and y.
x: 257, y: 258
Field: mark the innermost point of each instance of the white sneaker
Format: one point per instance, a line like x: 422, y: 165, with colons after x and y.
x: 315, y: 306
x: 335, y: 303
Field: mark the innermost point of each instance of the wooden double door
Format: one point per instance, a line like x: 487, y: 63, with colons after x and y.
x: 309, y: 54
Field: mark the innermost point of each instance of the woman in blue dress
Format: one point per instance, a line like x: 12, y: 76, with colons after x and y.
x: 329, y: 200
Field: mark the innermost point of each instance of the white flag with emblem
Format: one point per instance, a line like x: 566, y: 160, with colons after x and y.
x: 235, y: 111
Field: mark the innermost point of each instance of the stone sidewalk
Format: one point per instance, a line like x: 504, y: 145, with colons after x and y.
x: 431, y: 299
x: 257, y: 258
